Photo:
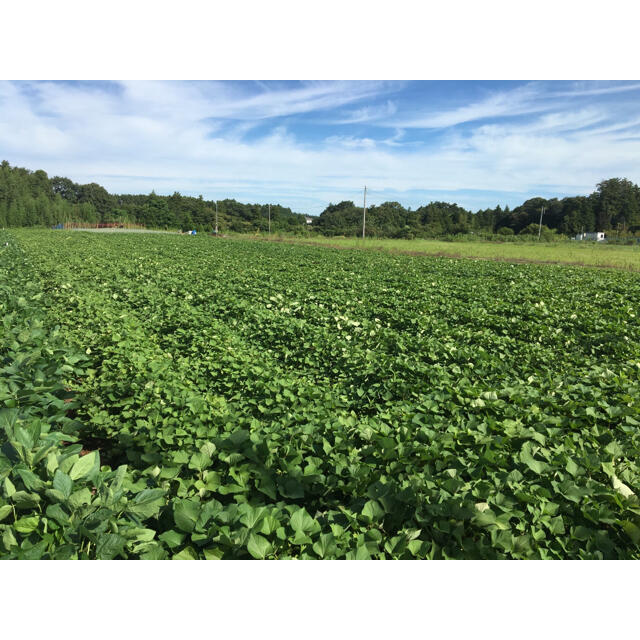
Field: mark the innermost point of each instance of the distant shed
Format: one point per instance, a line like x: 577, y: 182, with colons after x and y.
x: 594, y: 236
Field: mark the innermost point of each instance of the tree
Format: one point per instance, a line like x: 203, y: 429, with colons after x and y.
x: 102, y: 201
x: 65, y: 188
x: 618, y: 203
x: 534, y: 229
x: 31, y: 198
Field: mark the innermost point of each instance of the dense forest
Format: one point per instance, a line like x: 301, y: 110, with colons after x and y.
x: 614, y: 206
x: 31, y: 198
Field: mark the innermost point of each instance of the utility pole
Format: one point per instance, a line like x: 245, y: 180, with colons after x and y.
x: 216, y: 217
x: 540, y: 225
x: 269, y: 219
x: 364, y: 212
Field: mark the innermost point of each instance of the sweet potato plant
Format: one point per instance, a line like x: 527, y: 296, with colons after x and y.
x: 179, y: 397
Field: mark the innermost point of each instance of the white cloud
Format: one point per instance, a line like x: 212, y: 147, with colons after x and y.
x: 239, y: 102
x: 518, y: 101
x: 587, y: 88
x: 134, y: 137
x: 350, y: 142
x: 368, y: 114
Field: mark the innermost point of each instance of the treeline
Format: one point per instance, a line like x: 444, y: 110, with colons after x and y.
x: 614, y: 205
x: 31, y: 198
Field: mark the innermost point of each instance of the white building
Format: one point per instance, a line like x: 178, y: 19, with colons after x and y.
x: 594, y: 236
x: 308, y: 219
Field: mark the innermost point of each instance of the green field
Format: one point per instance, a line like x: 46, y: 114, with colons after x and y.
x: 185, y: 397
x: 575, y: 253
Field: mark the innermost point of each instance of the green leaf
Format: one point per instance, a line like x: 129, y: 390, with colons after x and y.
x: 62, y: 483
x: 25, y: 500
x: 139, y: 534
x: 8, y: 418
x: 326, y: 546
x: 571, y: 467
x: 52, y: 462
x: 239, y: 437
x: 252, y: 516
x: 55, y: 495
x: 210, y: 509
x: 632, y: 530
x: 185, y: 514
x: 614, y: 449
x: 153, y: 551
x: 42, y: 452
x: 5, y: 510
x: 109, y: 545
x: 620, y: 487
x: 80, y: 498
x: 581, y: 533
x: 572, y: 491
x: 269, y: 524
x: 484, y: 517
x: 199, y: 461
x: 56, y: 512
x: 186, y: 554
x: 258, y: 546
x: 208, y: 448
x: 372, y: 511
x: 291, y: 488
x: 302, y: 521
x: 522, y: 545
x: 31, y: 480
x: 172, y: 538
x: 8, y: 539
x: 362, y: 553
x: 24, y: 437
x: 266, y: 485
x: 27, y: 524
x: 147, y: 503
x: 180, y: 457
x: 68, y: 462
x: 212, y: 480
x: 213, y: 554
x: 9, y: 488
x: 557, y: 525
x: 526, y: 456
x: 300, y: 538
x: 86, y: 465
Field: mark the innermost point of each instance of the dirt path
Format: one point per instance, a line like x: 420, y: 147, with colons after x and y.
x: 122, y: 230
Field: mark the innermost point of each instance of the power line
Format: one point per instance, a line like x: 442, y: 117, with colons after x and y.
x: 364, y: 212
x: 540, y: 225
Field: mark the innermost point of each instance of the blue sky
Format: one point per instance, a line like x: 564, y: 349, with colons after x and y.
x: 305, y: 144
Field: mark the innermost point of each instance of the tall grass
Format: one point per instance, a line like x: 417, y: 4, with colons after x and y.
x: 569, y: 252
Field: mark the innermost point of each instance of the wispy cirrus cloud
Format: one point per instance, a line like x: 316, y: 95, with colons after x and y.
x: 353, y: 142
x: 241, y: 101
x: 594, y: 88
x: 518, y: 101
x: 556, y: 123
x: 368, y: 114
